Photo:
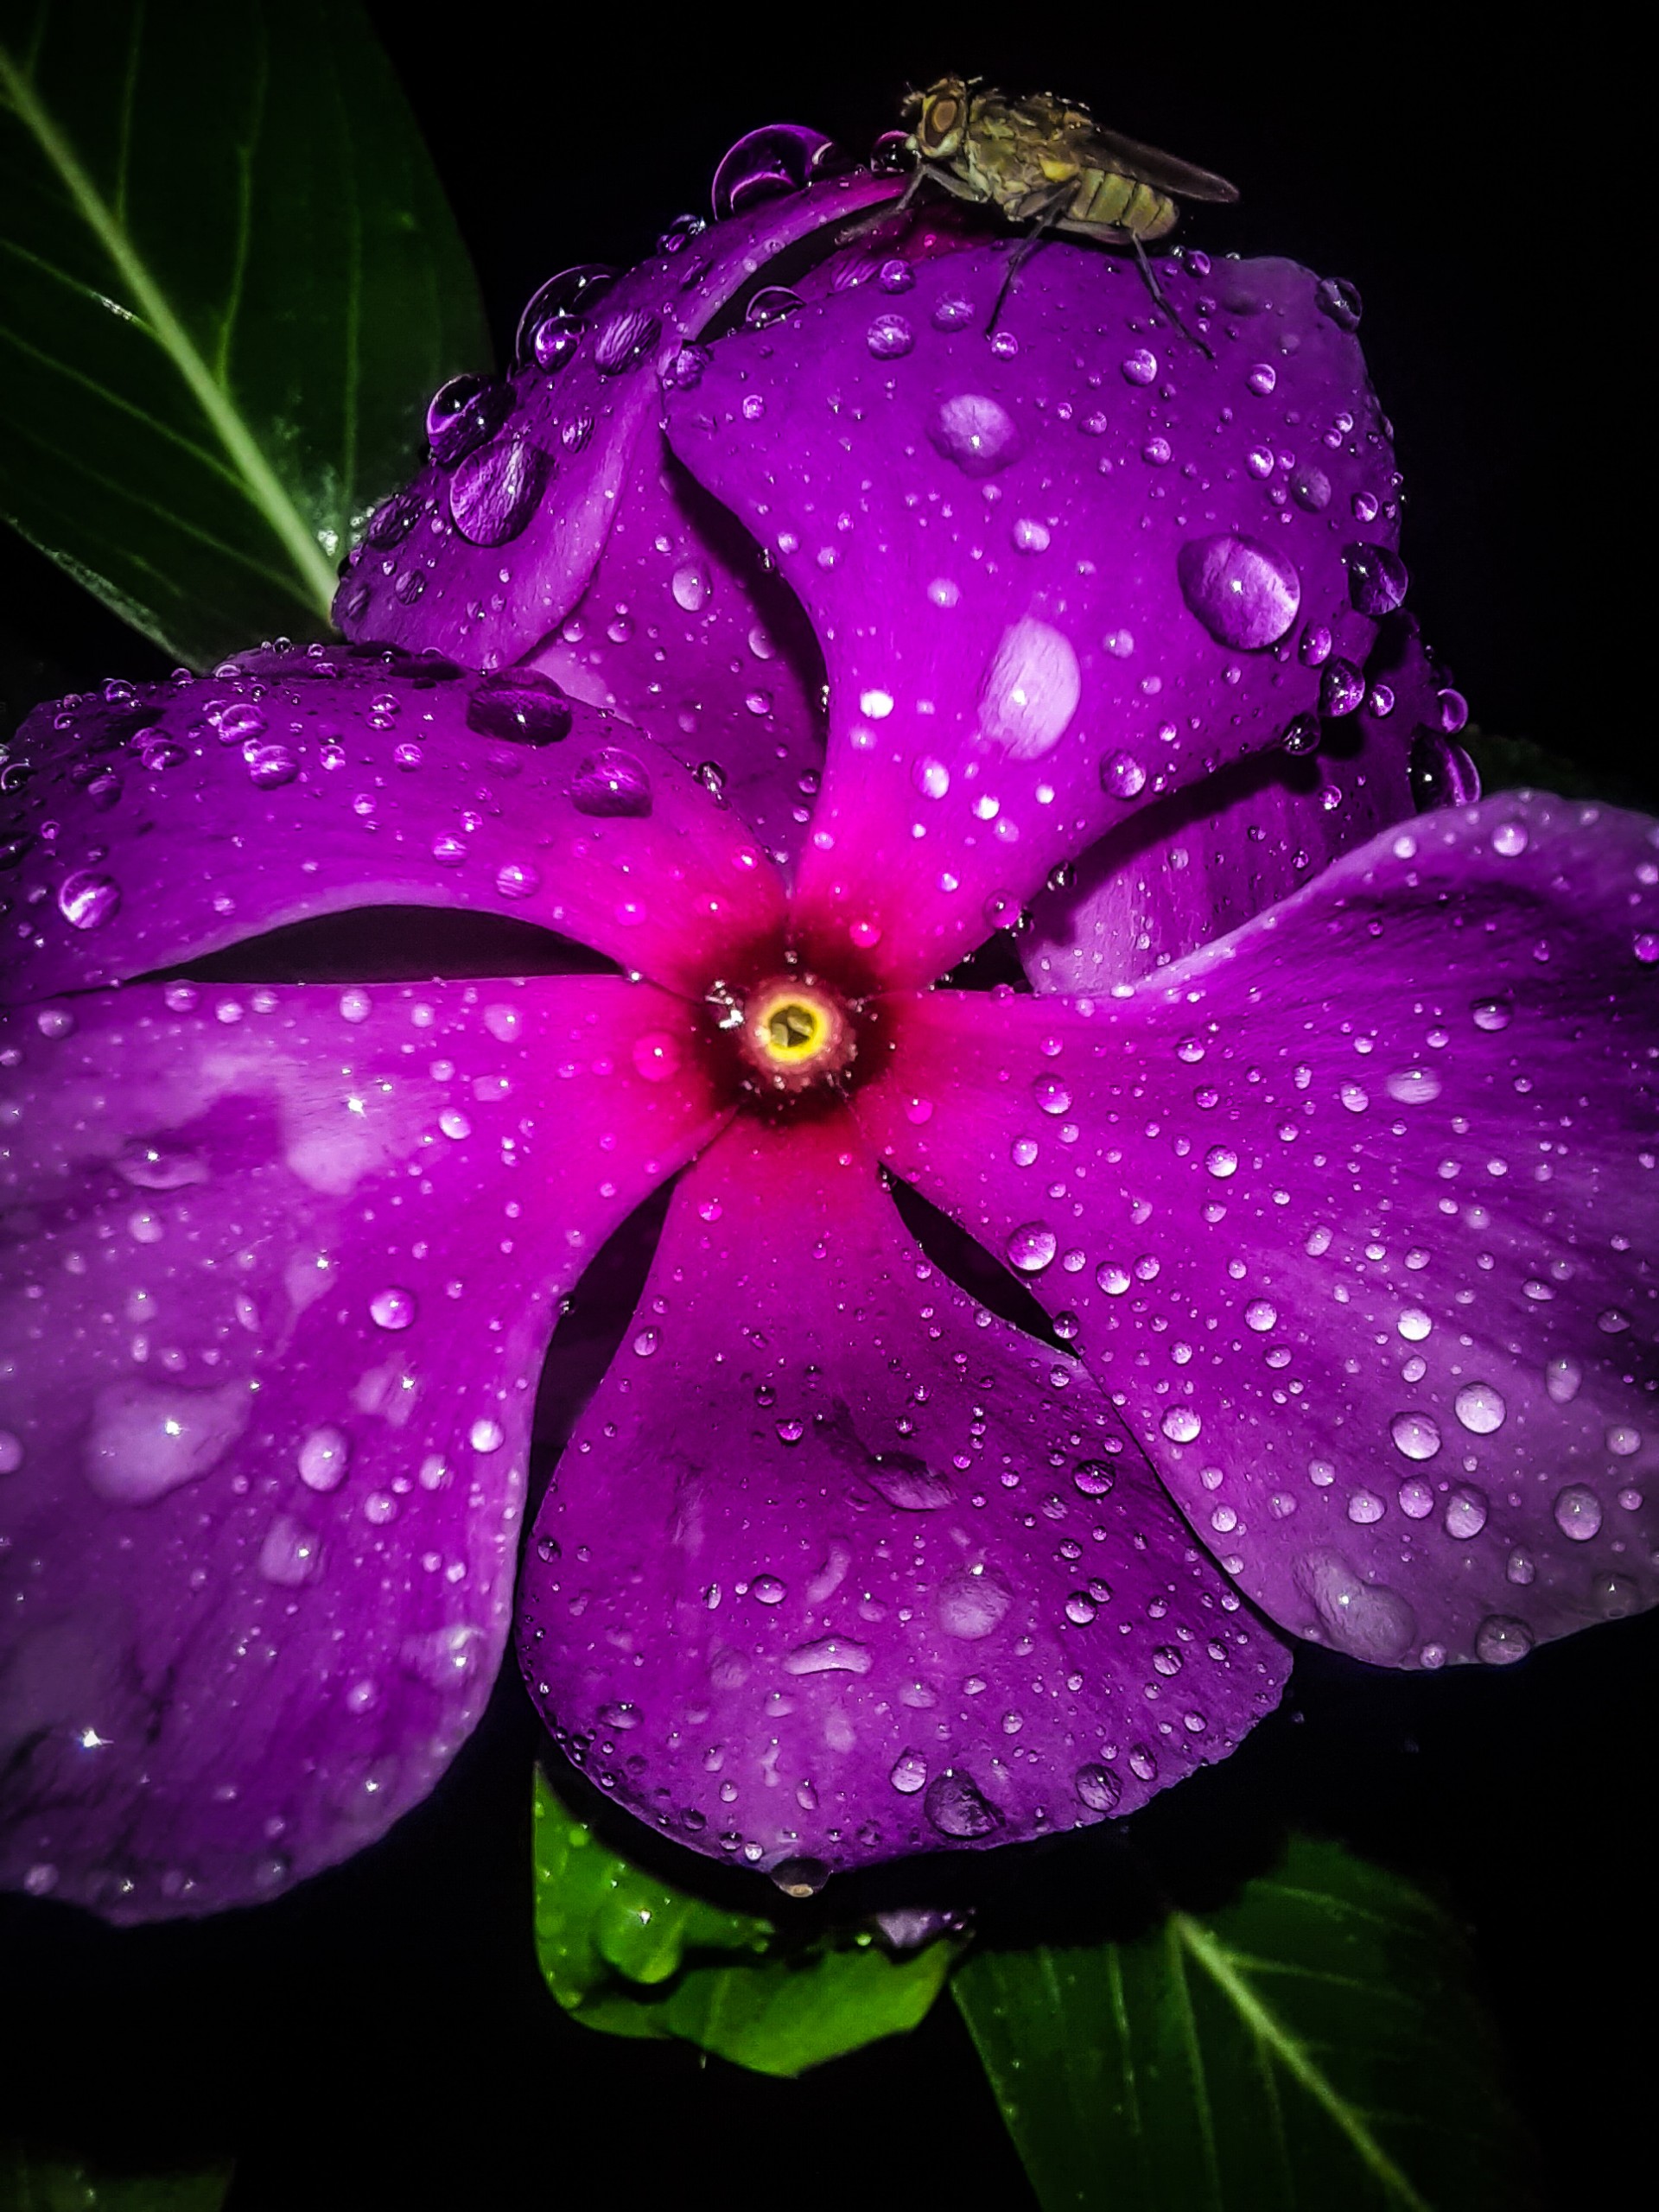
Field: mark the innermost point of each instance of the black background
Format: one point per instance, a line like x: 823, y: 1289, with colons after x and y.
x: 381, y: 2037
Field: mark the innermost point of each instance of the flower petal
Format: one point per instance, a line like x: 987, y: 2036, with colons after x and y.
x: 175, y: 819
x: 1200, y: 861
x: 1359, y: 1208
x: 837, y: 1567
x: 685, y: 633
x: 1049, y: 582
x: 493, y: 545
x: 281, y: 1267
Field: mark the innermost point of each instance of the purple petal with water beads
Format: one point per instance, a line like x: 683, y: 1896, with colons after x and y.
x: 1201, y: 862
x: 487, y: 552
x: 182, y: 817
x: 838, y: 1566
x: 1034, y: 618
x: 1359, y: 1208
x: 281, y: 1269
x: 683, y: 633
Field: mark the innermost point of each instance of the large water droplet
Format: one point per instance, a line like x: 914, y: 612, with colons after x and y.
x: 325, y: 1453
x: 908, y: 1773
x: 1030, y: 690
x: 1366, y: 1619
x: 612, y: 783
x: 1415, y: 1435
x: 521, y: 705
x: 564, y: 299
x: 1180, y: 1424
x: 152, y: 1164
x: 147, y: 1437
x: 1031, y: 1248
x: 1578, y: 1513
x: 1097, y: 1787
x: 393, y: 1308
x: 87, y: 900
x: 1377, y: 579
x: 976, y: 432
x: 1245, y: 594
x: 1480, y: 1407
x: 1442, y: 774
x: 956, y: 1807
x: 493, y: 494
x: 291, y: 1554
x: 972, y: 1601
x: 465, y: 412
x: 1122, y: 776
x: 1465, y: 1512
x: 765, y: 164
x: 1337, y: 298
x: 829, y: 1655
x: 1500, y: 1640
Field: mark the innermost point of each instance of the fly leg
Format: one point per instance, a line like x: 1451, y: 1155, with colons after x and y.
x: 1163, y: 298
x: 1047, y: 218
x: 889, y: 209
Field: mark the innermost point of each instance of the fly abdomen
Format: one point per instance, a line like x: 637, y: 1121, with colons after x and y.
x: 1104, y: 198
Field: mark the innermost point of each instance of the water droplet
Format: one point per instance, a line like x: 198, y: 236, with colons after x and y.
x: 1377, y: 579
x: 1094, y: 1478
x: 767, y: 1590
x: 493, y: 494
x: 1260, y: 1315
x: 517, y: 879
x: 146, y: 1439
x: 563, y: 301
x: 1414, y: 1324
x: 1113, y: 1278
x: 87, y: 900
x: 487, y: 1436
x: 1415, y: 1436
x: 977, y: 433
x: 1031, y: 1248
x: 1337, y: 298
x: 690, y: 585
x: 291, y: 1554
x: 1080, y: 1608
x: 972, y: 1601
x: 392, y: 1308
x: 1578, y: 1512
x: 153, y: 1165
x: 11, y: 1452
x: 1366, y: 1619
x: 1051, y: 1094
x: 626, y: 341
x: 1492, y: 1013
x: 269, y: 767
x: 1031, y: 690
x: 1262, y: 378
x: 956, y: 1807
x: 1465, y: 1512
x: 1416, y: 1498
x: 520, y: 705
x: 1221, y: 1162
x: 324, y: 1455
x: 1180, y: 1424
x: 1342, y: 689
x: 1122, y: 776
x: 1414, y: 1086
x: 1480, y: 1407
x: 1245, y: 594
x: 829, y: 1655
x: 890, y: 336
x: 612, y: 783
x: 656, y: 1055
x: 930, y: 776
x: 463, y: 414
x: 1500, y: 1640
x: 768, y: 163
x: 1442, y: 774
x: 1614, y: 1596
x: 908, y: 1773
x: 1510, y: 839
x: 1097, y: 1787
x: 1139, y: 368
x: 800, y: 1878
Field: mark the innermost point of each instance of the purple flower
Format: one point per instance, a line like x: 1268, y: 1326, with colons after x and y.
x: 1344, y: 1218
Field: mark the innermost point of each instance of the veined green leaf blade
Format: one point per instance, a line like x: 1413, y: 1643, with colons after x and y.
x: 1317, y: 2042
x: 230, y: 279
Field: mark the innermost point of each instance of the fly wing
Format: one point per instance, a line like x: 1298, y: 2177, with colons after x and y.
x: 1146, y: 165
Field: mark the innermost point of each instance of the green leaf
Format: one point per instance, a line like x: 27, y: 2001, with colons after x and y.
x: 1314, y: 2043
x: 626, y: 1952
x: 32, y: 2182
x: 230, y: 279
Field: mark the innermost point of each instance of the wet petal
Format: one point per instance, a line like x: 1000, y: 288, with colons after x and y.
x: 1201, y: 862
x: 686, y: 634
x: 1358, y: 1209
x: 1033, y: 617
x: 838, y: 1566
x: 280, y: 1268
x: 491, y: 546
x: 176, y: 818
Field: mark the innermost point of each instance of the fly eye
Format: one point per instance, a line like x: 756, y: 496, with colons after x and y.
x: 941, y: 119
